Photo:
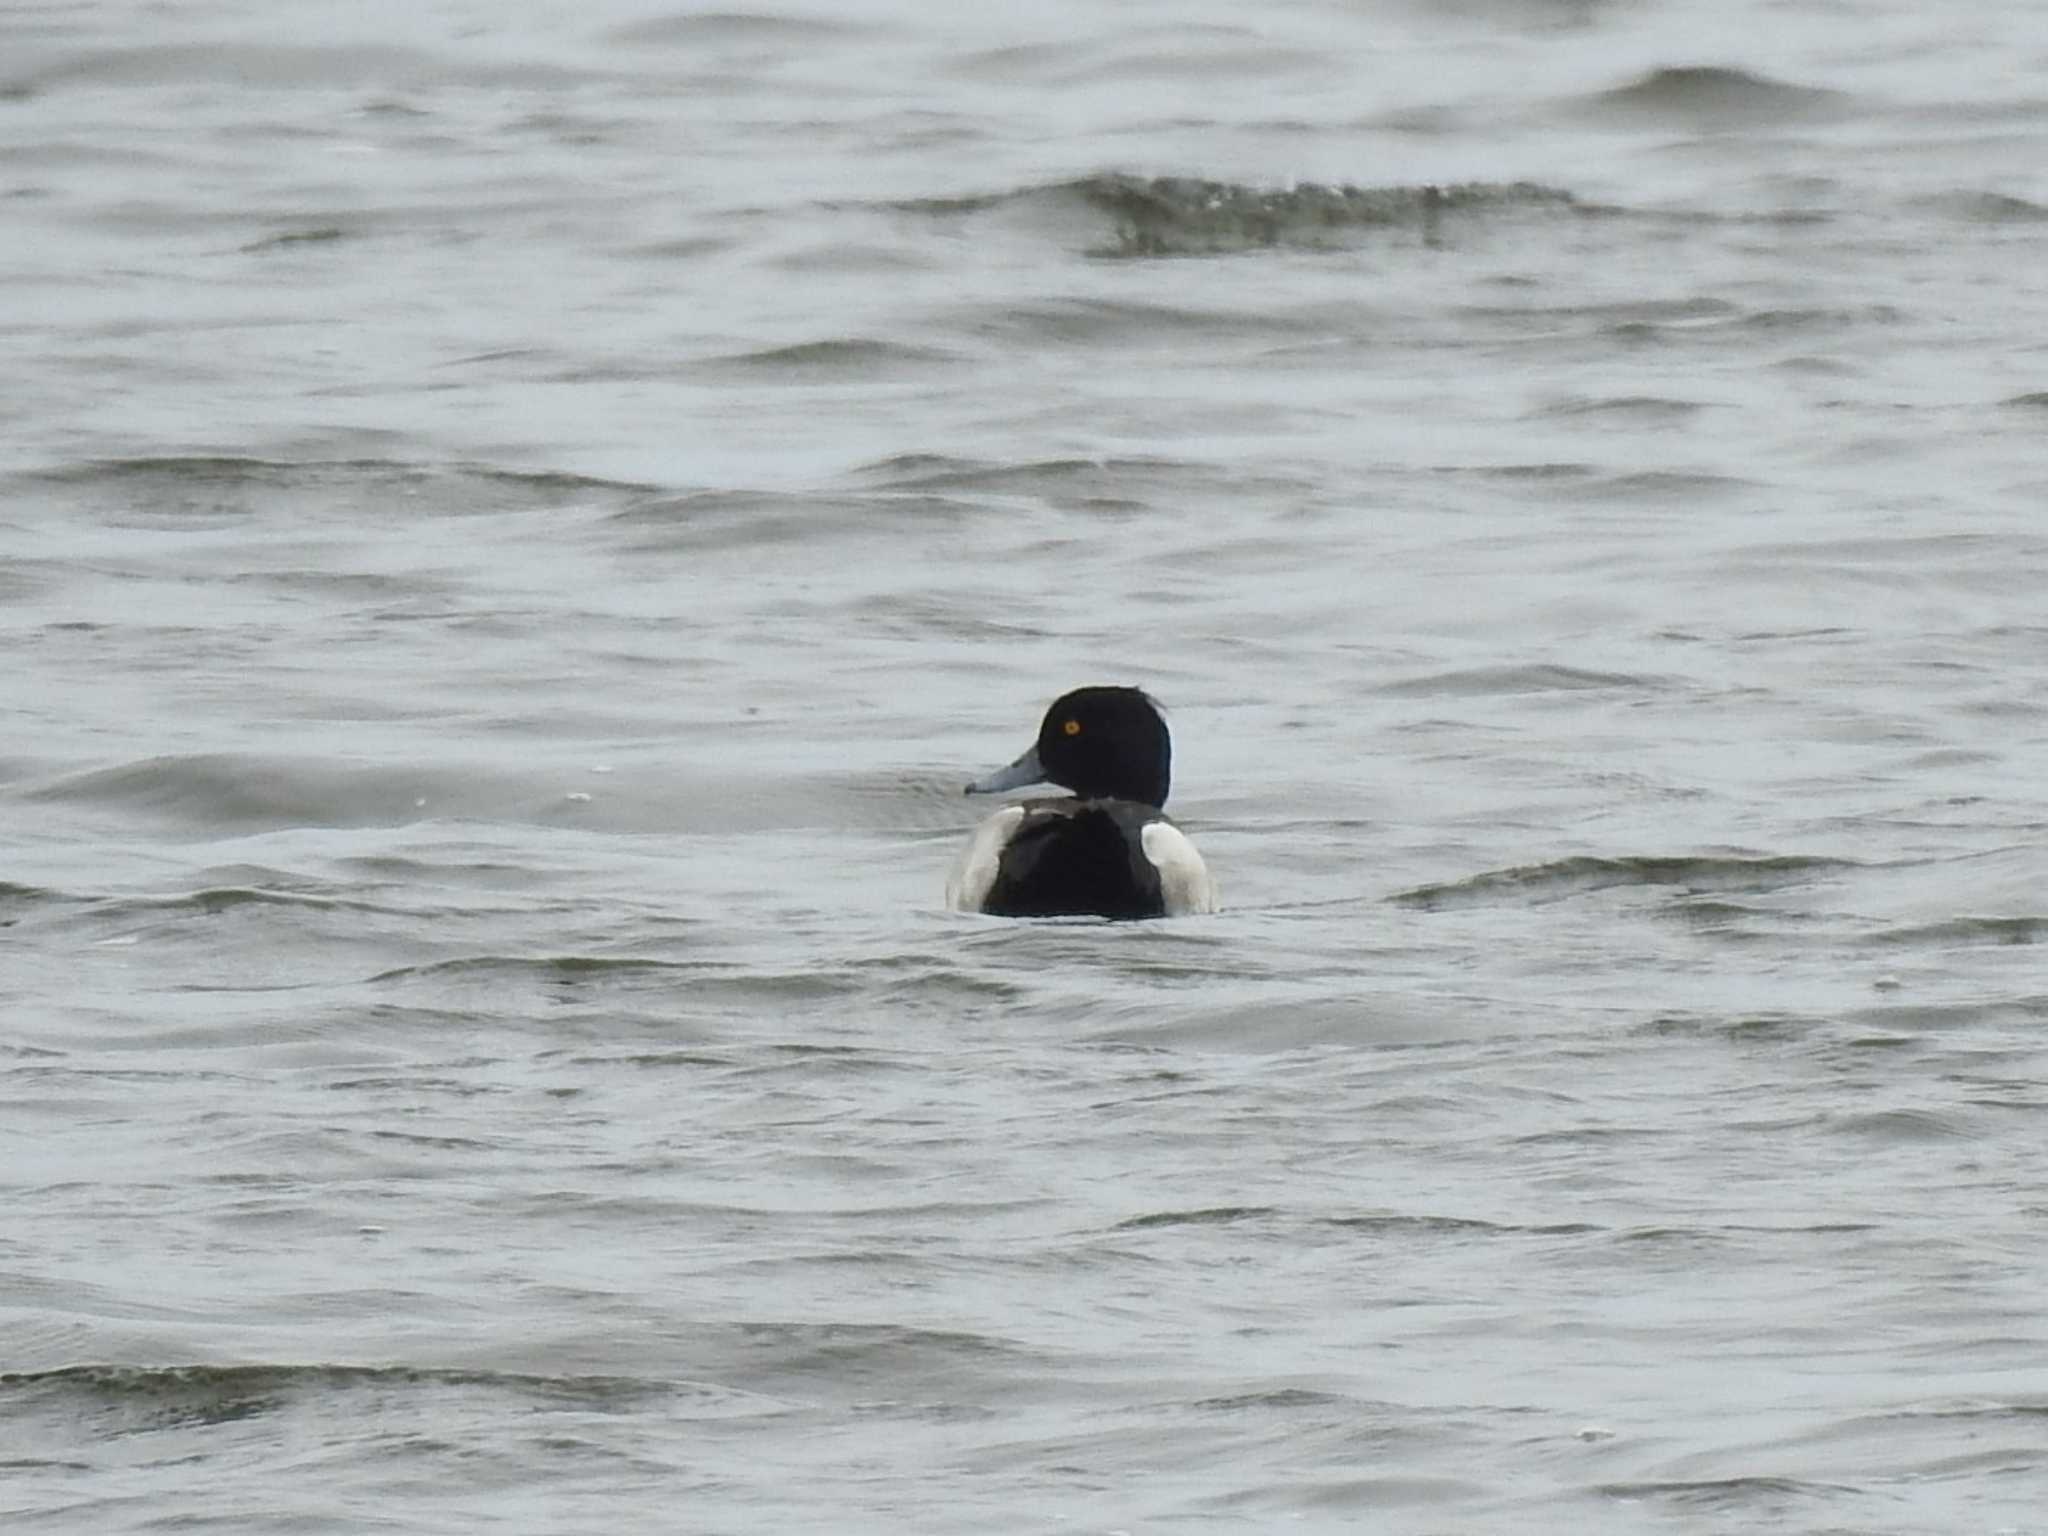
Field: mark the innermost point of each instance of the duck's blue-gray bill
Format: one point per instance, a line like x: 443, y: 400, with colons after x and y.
x: 1025, y: 770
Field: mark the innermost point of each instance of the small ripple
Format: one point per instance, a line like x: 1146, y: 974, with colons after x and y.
x: 1211, y: 1216
x: 1730, y: 1493
x: 721, y: 521
x: 1090, y: 483
x: 1665, y: 487
x: 1577, y: 876
x: 19, y: 901
x: 2023, y: 1409
x: 1181, y: 216
x: 219, y: 791
x: 1975, y: 207
x: 166, y: 1397
x: 215, y: 490
x: 1649, y: 409
x: 1277, y: 1398
x: 858, y: 1359
x: 1120, y: 324
x: 2021, y: 1013
x: 862, y: 358
x: 542, y: 967
x: 1530, y: 678
x: 1966, y: 931
x: 1743, y: 1028
x: 1715, y: 99
x: 1454, y: 1226
x: 701, y: 29
x: 1901, y: 1125
x: 317, y: 234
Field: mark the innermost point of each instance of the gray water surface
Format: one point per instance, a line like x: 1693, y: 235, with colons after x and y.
x: 517, y: 522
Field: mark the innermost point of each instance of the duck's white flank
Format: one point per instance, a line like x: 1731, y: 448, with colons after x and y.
x: 1184, y: 881
x: 974, y: 871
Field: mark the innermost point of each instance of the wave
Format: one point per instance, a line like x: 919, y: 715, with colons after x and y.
x: 863, y: 358
x: 703, y: 29
x: 215, y: 1394
x: 260, y: 66
x: 1956, y: 931
x: 187, y: 490
x: 1173, y: 215
x: 1650, y: 409
x: 1561, y: 878
x: 1664, y: 487
x: 1771, y: 1493
x: 1196, y: 216
x: 212, y: 901
x: 1708, y: 96
x: 1822, y: 318
x: 555, y: 968
x: 1210, y: 1216
x: 1903, y: 1125
x: 17, y: 901
x: 1975, y: 207
x: 1530, y: 678
x: 314, y: 234
x: 709, y: 521
x: 1079, y: 482
x: 223, y: 792
x: 1891, y: 1021
x: 1384, y: 1224
x: 710, y: 985
x: 220, y: 791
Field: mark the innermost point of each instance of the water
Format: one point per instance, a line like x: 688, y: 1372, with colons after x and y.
x: 518, y: 524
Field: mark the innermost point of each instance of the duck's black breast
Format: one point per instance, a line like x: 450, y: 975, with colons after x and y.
x: 1078, y: 857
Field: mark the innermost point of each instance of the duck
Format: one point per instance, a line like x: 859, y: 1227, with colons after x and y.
x: 1109, y: 850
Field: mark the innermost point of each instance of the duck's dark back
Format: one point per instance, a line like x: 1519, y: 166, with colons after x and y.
x: 1078, y: 857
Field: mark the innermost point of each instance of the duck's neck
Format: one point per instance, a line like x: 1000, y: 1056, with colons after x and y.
x: 1146, y: 783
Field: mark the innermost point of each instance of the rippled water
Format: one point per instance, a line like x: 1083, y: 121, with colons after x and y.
x: 517, y: 525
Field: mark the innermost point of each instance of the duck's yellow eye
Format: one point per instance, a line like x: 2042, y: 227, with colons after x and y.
x: 1072, y: 727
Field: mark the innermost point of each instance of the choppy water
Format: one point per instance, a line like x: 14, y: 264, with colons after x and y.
x: 517, y: 523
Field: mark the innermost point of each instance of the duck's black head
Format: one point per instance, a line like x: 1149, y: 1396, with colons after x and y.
x: 1101, y: 743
